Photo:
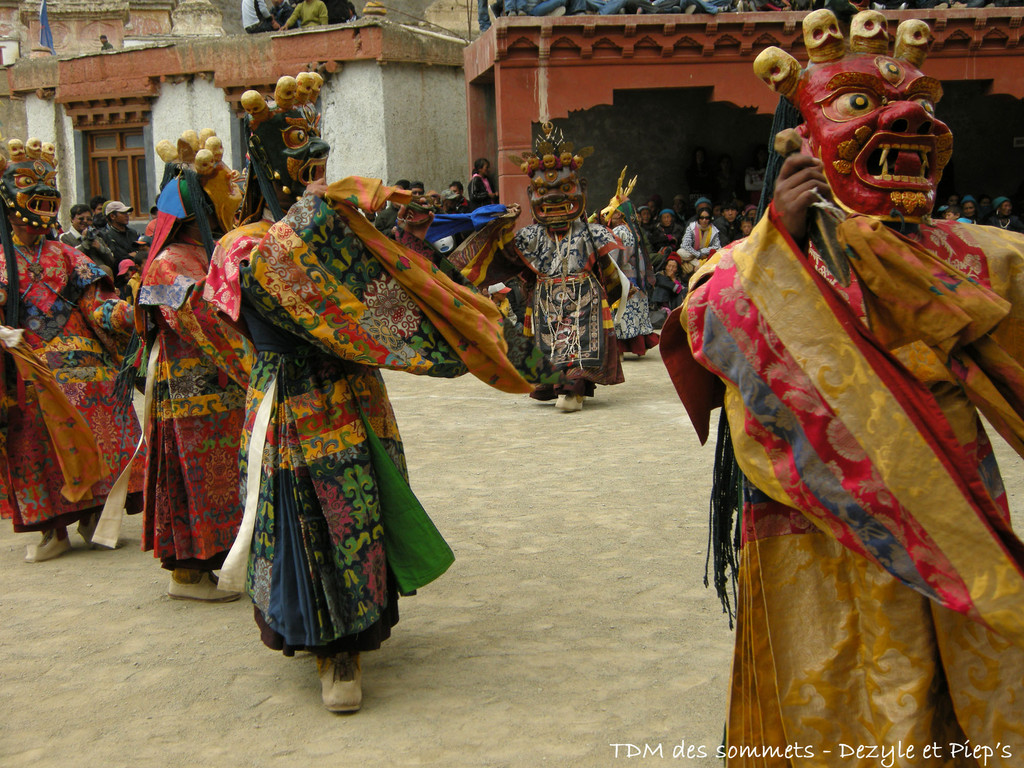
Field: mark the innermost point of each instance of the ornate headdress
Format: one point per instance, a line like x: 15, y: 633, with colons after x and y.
x: 29, y: 183
x: 300, y: 92
x: 285, y: 147
x: 557, y: 195
x: 869, y: 116
x: 202, y: 153
x: 620, y: 197
x: 551, y: 152
x: 28, y: 189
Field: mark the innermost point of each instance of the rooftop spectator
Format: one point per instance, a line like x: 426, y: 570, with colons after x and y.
x: 308, y: 13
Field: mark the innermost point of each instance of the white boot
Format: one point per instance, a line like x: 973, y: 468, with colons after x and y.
x: 341, y: 679
x: 47, y: 549
x: 188, y: 584
x: 569, y: 403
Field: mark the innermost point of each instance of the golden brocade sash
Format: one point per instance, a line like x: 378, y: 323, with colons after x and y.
x: 912, y: 295
x: 80, y: 460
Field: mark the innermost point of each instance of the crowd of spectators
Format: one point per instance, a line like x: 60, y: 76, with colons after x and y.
x: 102, y: 231
x: 271, y: 15
x: 997, y: 212
x: 718, y: 207
x: 487, y: 10
x: 453, y: 199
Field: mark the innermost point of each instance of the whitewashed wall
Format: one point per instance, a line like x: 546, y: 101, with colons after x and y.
x: 352, y: 122
x: 396, y: 121
x: 46, y: 120
x: 425, y: 115
x: 195, y: 104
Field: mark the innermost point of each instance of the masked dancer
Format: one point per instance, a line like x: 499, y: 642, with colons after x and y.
x: 197, y: 409
x: 856, y: 342
x: 326, y: 537
x: 66, y: 437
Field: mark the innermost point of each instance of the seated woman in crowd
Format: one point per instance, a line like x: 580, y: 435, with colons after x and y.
x: 969, y: 209
x: 669, y: 290
x: 700, y: 240
x: 668, y: 233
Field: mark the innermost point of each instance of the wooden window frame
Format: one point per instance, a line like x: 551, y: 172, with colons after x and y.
x: 134, y: 195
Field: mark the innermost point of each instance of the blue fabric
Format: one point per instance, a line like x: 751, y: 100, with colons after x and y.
x: 170, y: 201
x: 482, y: 16
x: 173, y: 295
x: 292, y: 611
x: 45, y: 35
x: 448, y: 224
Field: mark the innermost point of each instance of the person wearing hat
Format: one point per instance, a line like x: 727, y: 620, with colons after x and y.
x: 142, y: 248
x: 461, y: 203
x: 118, y: 236
x: 64, y: 438
x: 668, y: 233
x: 1003, y: 216
x: 633, y: 327
x: 969, y: 209
x: 127, y: 279
x: 353, y: 302
x: 877, y: 572
x: 701, y: 204
x: 501, y: 295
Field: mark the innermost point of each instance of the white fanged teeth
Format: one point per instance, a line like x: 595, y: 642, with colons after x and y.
x: 883, y: 161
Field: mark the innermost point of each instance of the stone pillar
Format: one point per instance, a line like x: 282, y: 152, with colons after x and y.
x: 196, y: 17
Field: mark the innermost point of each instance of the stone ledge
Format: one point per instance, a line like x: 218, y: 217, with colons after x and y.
x: 233, y: 61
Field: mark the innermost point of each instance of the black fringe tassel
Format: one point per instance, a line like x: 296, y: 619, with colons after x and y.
x: 12, y: 311
x: 724, y: 531
x: 129, y: 377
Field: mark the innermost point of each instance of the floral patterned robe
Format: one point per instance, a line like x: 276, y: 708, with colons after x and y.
x: 75, y: 322
x: 192, y: 508
x: 328, y: 301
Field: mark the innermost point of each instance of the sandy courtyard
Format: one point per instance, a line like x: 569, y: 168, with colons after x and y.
x: 574, y: 618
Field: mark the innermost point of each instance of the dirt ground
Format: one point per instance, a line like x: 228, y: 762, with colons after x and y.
x: 574, y: 617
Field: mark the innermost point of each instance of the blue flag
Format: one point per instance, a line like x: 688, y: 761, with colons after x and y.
x: 45, y: 35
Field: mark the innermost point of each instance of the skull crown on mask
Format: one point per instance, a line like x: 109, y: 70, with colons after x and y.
x: 29, y: 183
x: 285, y: 134
x: 557, y: 193
x: 869, y: 117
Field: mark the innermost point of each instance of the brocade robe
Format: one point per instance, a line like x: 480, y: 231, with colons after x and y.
x: 881, y: 588
x: 192, y: 508
x: 572, y: 283
x: 329, y: 300
x: 634, y: 331
x: 78, y: 327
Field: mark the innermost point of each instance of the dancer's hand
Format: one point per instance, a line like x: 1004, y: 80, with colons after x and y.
x: 800, y: 181
x: 317, y: 187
